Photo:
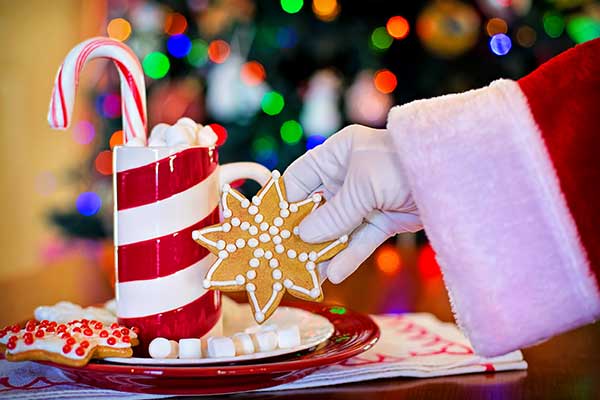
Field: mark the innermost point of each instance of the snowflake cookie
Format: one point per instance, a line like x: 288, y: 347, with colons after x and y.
x: 259, y: 250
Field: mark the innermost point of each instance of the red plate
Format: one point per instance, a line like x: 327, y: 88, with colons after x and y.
x: 354, y: 333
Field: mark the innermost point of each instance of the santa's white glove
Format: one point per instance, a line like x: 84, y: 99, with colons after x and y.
x: 361, y: 176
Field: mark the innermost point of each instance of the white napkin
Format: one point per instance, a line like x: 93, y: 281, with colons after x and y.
x: 411, y: 345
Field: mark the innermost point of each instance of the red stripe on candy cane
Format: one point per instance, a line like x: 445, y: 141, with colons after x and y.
x: 62, y: 98
x: 164, y: 178
x: 172, y: 252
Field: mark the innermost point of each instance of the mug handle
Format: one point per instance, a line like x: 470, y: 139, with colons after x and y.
x: 243, y: 170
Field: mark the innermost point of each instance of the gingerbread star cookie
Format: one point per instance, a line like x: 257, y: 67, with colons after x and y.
x: 259, y: 250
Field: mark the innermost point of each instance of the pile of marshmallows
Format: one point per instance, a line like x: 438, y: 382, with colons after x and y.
x: 252, y: 340
x: 185, y: 132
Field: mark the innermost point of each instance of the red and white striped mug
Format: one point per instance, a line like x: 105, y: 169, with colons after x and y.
x: 162, y: 194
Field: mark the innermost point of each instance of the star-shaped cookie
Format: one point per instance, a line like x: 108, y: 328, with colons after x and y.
x: 259, y: 250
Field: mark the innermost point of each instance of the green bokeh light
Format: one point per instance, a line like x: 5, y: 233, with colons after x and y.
x: 292, y: 6
x: 291, y: 132
x: 272, y: 103
x: 263, y: 145
x: 380, y: 39
x: 554, y: 24
x: 338, y: 310
x: 583, y: 28
x: 198, y: 55
x: 156, y: 65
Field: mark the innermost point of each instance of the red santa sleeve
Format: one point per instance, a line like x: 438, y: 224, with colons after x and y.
x: 507, y: 182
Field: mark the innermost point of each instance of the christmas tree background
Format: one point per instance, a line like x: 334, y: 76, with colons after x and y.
x: 276, y: 78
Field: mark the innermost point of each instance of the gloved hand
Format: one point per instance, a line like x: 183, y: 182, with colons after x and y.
x: 361, y: 176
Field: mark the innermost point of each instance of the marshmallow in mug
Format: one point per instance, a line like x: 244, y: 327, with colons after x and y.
x: 185, y: 132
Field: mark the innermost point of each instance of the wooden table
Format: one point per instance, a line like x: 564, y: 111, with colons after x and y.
x: 565, y: 367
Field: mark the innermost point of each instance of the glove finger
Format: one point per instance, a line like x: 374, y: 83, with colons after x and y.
x: 338, y: 217
x: 362, y: 244
x: 302, y: 177
x: 323, y: 268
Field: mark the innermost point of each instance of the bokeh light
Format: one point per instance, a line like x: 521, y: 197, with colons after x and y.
x: 495, y: 26
x: 156, y: 65
x: 111, y: 105
x: 380, y: 39
x: 198, y: 55
x: 119, y: 29
x: 103, y: 162
x: 221, y: 133
x: 554, y: 24
x: 272, y: 103
x: 264, y: 151
x: 292, y: 6
x: 175, y: 24
x: 326, y: 10
x: 179, y: 46
x: 500, y: 44
x: 218, y: 51
x: 88, y: 203
x: 291, y: 132
x: 397, y: 27
x: 427, y: 264
x: 286, y: 37
x: 116, y: 139
x: 84, y: 132
x: 583, y: 28
x: 387, y: 259
x: 385, y: 81
x: 314, y: 140
x: 526, y: 36
x: 252, y: 73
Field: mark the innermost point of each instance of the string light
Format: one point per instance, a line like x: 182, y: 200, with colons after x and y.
x: 385, y: 81
x: 500, y: 44
x: 388, y: 259
x: 175, y: 24
x: 198, y: 55
x: 103, y: 162
x: 526, y: 36
x: 495, y: 26
x: 554, y: 24
x: 292, y: 6
x: 156, y: 65
x: 397, y: 27
x: 380, y: 39
x: 119, y: 29
x: 221, y: 133
x: 88, y: 203
x: 326, y: 10
x: 84, y: 132
x: 116, y: 139
x: 291, y: 132
x: 179, y: 46
x: 252, y: 73
x: 272, y: 103
x: 218, y: 51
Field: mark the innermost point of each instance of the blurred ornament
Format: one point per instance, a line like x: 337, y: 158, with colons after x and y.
x: 219, y: 16
x: 326, y: 10
x: 496, y: 25
x: 448, y: 28
x: 387, y: 259
x: 365, y: 104
x: 147, y: 17
x: 171, y: 100
x: 507, y: 9
x: 228, y: 98
x: 320, y: 113
x: 526, y: 36
x: 397, y: 27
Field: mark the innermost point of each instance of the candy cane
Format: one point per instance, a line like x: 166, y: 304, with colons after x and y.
x: 133, y: 89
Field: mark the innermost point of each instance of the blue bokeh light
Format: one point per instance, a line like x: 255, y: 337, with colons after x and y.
x: 500, y: 44
x: 268, y: 158
x: 287, y: 37
x: 179, y: 45
x: 88, y: 203
x: 314, y: 140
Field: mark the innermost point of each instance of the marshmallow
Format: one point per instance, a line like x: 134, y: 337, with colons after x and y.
x: 179, y: 135
x: 206, y: 137
x: 243, y: 344
x: 220, y: 346
x: 190, y: 348
x: 157, y: 135
x: 288, y: 337
x: 261, y: 328
x: 163, y: 348
x: 187, y: 122
x: 264, y: 341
